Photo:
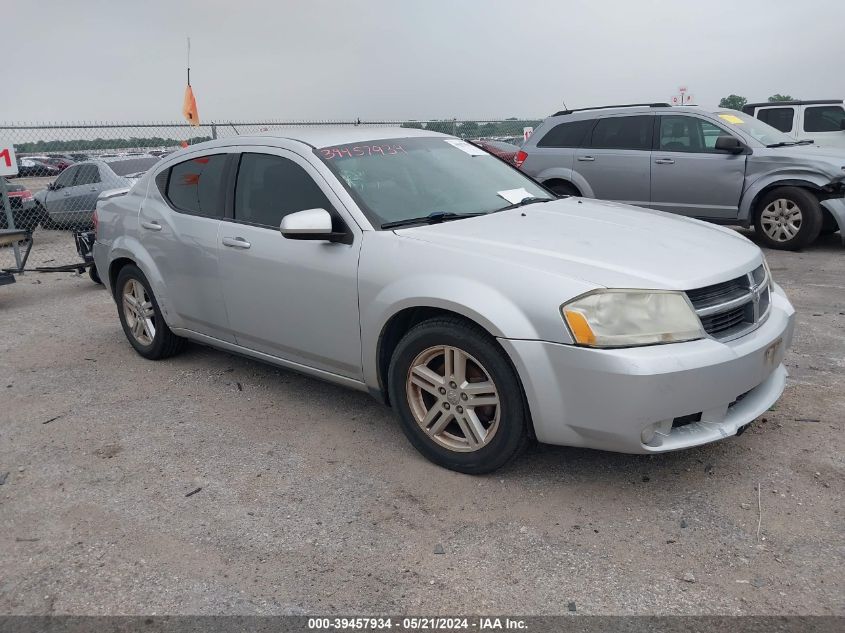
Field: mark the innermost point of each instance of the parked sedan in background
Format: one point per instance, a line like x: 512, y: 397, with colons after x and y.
x: 34, y: 167
x: 60, y: 162
x: 483, y: 309
x: 505, y: 151
x: 24, y: 209
x: 69, y: 201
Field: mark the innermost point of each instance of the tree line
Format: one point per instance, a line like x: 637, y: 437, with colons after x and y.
x: 736, y: 102
x: 81, y: 145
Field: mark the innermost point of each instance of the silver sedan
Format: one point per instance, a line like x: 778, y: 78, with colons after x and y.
x: 481, y: 307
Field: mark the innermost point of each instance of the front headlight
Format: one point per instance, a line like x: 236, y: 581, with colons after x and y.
x: 623, y: 318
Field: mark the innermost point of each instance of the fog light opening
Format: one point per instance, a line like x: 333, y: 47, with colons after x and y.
x: 653, y: 434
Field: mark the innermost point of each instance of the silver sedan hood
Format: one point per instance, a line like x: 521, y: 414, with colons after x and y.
x: 601, y: 243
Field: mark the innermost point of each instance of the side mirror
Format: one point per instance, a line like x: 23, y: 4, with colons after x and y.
x: 310, y: 224
x: 730, y: 144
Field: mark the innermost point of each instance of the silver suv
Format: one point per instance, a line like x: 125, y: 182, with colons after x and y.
x: 724, y: 166
x: 420, y: 268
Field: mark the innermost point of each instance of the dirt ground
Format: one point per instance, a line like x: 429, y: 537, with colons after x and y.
x: 308, y: 499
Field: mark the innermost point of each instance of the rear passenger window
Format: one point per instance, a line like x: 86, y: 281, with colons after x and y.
x: 778, y: 118
x: 271, y: 187
x: 824, y: 119
x: 87, y: 175
x: 197, y: 186
x: 623, y: 132
x: 570, y: 134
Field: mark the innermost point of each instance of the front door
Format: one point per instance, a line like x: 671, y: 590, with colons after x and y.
x: 689, y: 176
x: 83, y: 194
x: 292, y: 299
x: 615, y: 161
x: 57, y: 198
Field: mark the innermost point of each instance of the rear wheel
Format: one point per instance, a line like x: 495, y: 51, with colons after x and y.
x: 458, y: 397
x: 141, y: 317
x: 788, y: 218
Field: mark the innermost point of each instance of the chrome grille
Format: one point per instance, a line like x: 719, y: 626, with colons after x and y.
x: 732, y: 308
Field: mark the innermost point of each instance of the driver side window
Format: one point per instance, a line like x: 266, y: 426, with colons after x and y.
x: 689, y: 134
x: 65, y: 179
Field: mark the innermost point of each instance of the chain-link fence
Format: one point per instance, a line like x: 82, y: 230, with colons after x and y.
x: 62, y: 169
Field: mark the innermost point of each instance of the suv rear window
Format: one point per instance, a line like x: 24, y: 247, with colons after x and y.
x: 778, y: 118
x: 623, y: 132
x: 569, y: 134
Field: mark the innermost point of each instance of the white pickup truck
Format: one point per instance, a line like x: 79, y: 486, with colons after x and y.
x: 820, y: 120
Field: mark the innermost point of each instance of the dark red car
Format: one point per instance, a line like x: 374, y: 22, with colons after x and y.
x: 59, y: 162
x: 505, y: 151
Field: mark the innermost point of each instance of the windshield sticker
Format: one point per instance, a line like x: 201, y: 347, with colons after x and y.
x: 350, y: 151
x: 469, y: 148
x: 731, y: 118
x: 514, y: 196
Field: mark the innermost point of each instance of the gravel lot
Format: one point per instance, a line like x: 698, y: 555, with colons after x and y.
x: 311, y: 501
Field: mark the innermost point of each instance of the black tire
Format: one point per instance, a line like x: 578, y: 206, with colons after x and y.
x: 510, y: 435
x: 94, y: 275
x: 808, y: 207
x: 564, y: 189
x: 164, y: 343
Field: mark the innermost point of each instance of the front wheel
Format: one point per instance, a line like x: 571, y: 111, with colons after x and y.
x: 141, y: 317
x: 788, y: 218
x: 458, y: 398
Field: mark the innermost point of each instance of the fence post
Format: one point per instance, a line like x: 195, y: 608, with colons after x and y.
x: 10, y: 220
x: 214, y: 131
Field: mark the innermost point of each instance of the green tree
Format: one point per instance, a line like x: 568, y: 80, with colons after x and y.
x: 733, y: 102
x: 444, y: 127
x: 468, y: 129
x: 779, y: 97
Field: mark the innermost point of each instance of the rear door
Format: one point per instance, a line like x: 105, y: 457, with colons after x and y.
x: 179, y: 223
x: 616, y: 160
x: 86, y: 188
x: 689, y: 176
x: 825, y: 124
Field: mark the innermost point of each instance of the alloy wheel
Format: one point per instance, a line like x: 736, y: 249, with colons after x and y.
x: 139, y: 312
x: 453, y: 398
x: 781, y: 220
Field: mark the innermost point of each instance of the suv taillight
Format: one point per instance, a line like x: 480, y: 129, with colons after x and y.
x: 96, y: 222
x: 520, y: 158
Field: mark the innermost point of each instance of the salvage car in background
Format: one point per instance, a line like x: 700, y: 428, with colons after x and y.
x: 421, y: 269
x: 724, y: 166
x: 69, y: 201
x: 24, y: 210
x: 505, y: 151
x: 33, y: 167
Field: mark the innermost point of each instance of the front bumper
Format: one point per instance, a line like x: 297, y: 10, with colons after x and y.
x: 605, y: 399
x: 836, y: 207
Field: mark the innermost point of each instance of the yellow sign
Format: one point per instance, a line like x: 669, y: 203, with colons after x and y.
x: 731, y: 118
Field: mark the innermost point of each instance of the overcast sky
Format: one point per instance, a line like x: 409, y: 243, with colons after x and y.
x: 339, y: 59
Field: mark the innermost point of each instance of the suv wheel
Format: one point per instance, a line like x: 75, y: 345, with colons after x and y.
x: 141, y: 317
x: 788, y: 218
x: 564, y: 189
x: 458, y: 398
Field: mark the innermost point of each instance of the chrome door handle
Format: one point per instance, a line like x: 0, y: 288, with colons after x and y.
x: 151, y: 226
x: 665, y: 161
x: 586, y: 159
x: 236, y: 242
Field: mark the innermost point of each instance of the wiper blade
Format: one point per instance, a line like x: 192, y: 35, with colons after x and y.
x: 432, y: 218
x: 524, y: 201
x: 791, y: 143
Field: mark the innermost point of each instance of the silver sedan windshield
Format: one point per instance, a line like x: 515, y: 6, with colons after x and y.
x: 403, y: 178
